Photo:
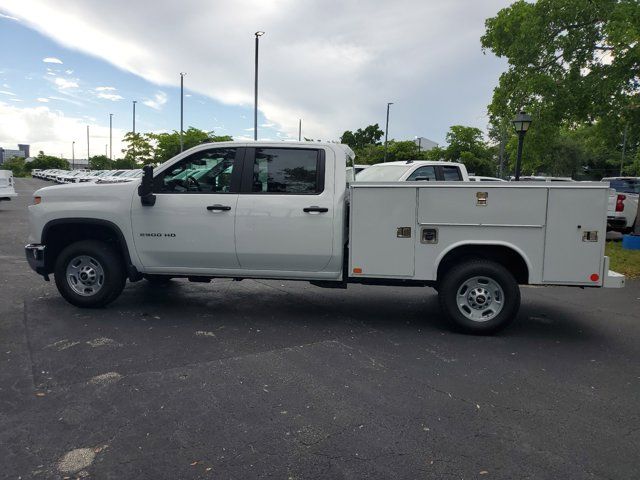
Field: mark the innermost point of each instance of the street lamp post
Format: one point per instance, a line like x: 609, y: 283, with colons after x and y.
x: 111, y: 136
x: 521, y: 124
x: 133, y: 146
x: 182, y: 74
x: 73, y: 155
x: 386, y: 132
x: 134, y: 116
x: 300, y: 130
x: 88, y: 145
x: 258, y: 34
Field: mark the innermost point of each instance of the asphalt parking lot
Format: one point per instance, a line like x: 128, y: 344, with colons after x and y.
x: 277, y: 379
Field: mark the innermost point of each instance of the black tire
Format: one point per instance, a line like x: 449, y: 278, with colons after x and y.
x: 456, y: 281
x: 108, y: 259
x: 158, y: 280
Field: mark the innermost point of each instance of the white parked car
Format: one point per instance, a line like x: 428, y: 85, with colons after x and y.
x: 286, y: 211
x: 623, y: 203
x: 414, y: 170
x: 7, y: 188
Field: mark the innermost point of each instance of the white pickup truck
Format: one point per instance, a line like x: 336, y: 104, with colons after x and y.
x: 289, y: 211
x: 7, y: 189
x: 623, y: 203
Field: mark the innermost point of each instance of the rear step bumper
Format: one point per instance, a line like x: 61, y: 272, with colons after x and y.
x: 612, y: 279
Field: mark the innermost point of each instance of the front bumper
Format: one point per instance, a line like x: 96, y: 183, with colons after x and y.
x: 35, y: 257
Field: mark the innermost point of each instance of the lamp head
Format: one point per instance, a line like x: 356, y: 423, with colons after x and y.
x: 259, y: 33
x: 521, y: 122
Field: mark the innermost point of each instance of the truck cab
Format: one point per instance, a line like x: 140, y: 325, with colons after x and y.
x: 414, y: 170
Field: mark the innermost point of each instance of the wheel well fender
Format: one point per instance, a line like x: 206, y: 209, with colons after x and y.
x: 506, y: 254
x: 59, y: 233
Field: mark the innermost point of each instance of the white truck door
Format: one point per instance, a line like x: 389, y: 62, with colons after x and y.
x: 383, y: 230
x: 285, y: 212
x: 191, y: 225
x: 575, y: 235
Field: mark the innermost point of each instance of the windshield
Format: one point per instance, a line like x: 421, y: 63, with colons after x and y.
x: 382, y: 173
x: 628, y: 185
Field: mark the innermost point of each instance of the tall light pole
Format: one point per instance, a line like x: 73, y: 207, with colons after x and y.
x: 111, y: 136
x: 300, y: 130
x: 133, y: 146
x: 73, y: 155
x: 134, y: 116
x: 88, y: 145
x: 258, y: 34
x: 386, y: 132
x: 182, y: 74
x: 521, y: 124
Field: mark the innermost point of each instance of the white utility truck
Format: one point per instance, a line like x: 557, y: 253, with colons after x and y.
x: 289, y: 211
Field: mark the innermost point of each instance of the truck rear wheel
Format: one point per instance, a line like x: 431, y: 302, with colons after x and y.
x: 479, y: 296
x: 89, y: 274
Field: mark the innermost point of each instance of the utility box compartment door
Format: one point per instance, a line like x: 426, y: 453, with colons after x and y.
x: 575, y: 235
x: 383, y: 230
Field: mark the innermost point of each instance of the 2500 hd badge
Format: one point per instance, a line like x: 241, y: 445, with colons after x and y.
x: 171, y: 235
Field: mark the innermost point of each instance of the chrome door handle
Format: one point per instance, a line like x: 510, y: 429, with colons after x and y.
x: 218, y: 208
x: 315, y: 209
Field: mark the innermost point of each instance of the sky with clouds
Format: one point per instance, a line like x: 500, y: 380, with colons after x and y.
x: 334, y: 64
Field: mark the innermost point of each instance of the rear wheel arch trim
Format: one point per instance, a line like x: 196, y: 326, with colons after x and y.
x: 480, y: 243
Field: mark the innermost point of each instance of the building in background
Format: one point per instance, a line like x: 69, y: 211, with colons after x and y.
x: 424, y: 144
x: 6, y: 153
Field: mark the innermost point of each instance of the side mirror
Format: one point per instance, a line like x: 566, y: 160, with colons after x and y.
x: 145, y: 189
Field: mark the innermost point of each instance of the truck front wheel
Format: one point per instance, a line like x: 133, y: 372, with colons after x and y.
x: 479, y: 296
x: 89, y: 274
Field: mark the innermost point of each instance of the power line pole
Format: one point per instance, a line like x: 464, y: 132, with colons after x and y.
x: 386, y: 132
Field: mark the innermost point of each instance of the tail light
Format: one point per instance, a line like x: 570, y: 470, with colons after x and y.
x: 620, y: 203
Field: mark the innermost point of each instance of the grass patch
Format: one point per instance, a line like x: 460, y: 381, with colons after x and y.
x: 623, y: 261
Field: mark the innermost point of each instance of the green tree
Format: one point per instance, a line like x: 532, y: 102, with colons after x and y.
x: 100, y: 162
x: 371, y: 135
x: 44, y: 162
x: 168, y: 144
x: 466, y: 145
x: 124, y: 164
x: 571, y: 64
x: 16, y: 165
x: 139, y: 148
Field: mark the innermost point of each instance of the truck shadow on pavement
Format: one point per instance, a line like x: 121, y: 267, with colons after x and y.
x: 153, y: 329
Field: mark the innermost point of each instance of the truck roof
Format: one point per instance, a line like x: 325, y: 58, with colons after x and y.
x: 419, y: 162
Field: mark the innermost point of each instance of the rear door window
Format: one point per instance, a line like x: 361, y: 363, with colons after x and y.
x: 287, y: 171
x: 451, y: 174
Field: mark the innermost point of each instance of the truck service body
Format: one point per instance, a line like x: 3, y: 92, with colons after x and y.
x: 290, y: 211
